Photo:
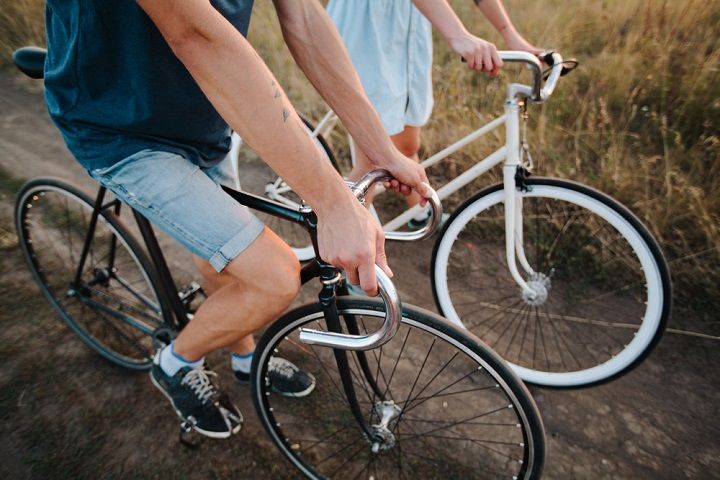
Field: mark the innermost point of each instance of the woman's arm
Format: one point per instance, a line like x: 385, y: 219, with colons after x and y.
x: 479, y: 54
x: 495, y: 12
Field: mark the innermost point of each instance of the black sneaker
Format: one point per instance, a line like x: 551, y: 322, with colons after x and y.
x: 197, y: 400
x: 416, y: 224
x: 285, y: 378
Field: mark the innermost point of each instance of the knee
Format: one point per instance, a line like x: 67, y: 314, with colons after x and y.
x: 408, y: 141
x: 285, y: 285
x: 268, y: 271
x: 409, y: 147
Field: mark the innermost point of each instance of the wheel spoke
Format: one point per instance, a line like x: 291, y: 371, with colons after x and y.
x: 590, y: 255
x: 453, y: 417
x: 56, y: 222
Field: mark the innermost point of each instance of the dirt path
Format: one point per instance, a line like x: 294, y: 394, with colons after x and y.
x: 66, y: 413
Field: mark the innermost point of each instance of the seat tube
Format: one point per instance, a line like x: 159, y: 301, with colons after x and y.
x: 89, y: 236
x: 512, y: 135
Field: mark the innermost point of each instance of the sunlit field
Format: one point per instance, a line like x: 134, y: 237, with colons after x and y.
x: 639, y: 119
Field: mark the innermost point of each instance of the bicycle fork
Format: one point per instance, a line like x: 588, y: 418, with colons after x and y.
x: 378, y: 436
x: 514, y: 246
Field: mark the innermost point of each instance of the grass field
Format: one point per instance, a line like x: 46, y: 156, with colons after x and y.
x: 640, y: 118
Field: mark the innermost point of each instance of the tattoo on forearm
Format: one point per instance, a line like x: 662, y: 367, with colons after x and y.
x: 286, y: 114
x: 277, y: 93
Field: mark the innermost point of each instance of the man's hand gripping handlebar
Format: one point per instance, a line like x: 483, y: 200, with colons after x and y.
x: 386, y: 289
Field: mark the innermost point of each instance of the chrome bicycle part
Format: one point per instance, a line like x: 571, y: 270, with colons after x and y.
x: 532, y: 62
x: 362, y: 186
x: 383, y: 438
x: 386, y: 288
x: 384, y: 334
x: 540, y: 283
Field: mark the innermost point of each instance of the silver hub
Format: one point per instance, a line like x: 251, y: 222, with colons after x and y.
x: 383, y: 438
x: 540, y: 284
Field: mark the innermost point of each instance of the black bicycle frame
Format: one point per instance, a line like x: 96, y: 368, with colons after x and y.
x: 327, y: 273
x: 170, y: 300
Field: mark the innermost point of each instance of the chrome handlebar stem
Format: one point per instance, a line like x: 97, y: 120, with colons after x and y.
x: 534, y: 92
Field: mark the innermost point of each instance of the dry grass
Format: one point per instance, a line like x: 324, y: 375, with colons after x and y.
x: 640, y: 119
x: 21, y: 23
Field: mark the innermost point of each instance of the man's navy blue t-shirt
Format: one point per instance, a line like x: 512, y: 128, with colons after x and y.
x: 114, y: 87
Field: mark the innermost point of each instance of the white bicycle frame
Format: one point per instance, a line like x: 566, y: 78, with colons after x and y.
x: 509, y: 155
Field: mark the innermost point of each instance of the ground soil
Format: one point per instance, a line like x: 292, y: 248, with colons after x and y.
x: 67, y: 413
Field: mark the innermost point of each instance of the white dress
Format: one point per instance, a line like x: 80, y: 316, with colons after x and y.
x: 390, y: 44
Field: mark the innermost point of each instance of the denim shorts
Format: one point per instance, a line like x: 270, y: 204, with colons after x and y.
x: 186, y: 202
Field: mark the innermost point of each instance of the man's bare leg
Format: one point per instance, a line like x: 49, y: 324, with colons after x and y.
x: 253, y: 290
x: 286, y: 378
x: 214, y: 281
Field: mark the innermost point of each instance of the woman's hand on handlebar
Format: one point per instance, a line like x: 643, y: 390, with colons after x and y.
x: 408, y: 175
x: 479, y: 54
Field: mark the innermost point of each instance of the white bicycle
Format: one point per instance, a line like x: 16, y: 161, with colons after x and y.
x: 567, y: 284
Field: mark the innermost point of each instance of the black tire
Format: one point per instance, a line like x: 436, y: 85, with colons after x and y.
x: 508, y: 441
x: 51, y: 218
x: 469, y: 253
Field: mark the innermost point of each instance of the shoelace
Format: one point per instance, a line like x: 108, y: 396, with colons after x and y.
x: 199, y: 381
x: 282, y: 367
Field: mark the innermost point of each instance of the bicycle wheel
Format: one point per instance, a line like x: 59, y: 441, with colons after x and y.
x: 452, y: 407
x: 604, y: 285
x: 265, y: 182
x: 115, y: 307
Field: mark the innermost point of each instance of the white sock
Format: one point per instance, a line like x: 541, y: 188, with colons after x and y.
x: 241, y: 363
x: 171, y: 362
x: 422, y: 215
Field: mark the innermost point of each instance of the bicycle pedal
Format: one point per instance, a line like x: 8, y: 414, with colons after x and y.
x: 188, y: 292
x: 162, y: 337
x: 187, y: 435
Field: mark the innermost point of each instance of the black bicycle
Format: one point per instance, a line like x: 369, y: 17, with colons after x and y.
x: 400, y: 391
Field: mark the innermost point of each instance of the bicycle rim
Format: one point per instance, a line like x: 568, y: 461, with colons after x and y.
x: 115, y: 307
x: 605, y: 287
x: 458, y: 413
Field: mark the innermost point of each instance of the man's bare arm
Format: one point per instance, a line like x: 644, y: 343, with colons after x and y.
x: 242, y: 89
x: 318, y: 49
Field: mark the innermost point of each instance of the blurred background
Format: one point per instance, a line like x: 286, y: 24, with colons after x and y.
x: 639, y: 120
